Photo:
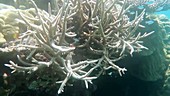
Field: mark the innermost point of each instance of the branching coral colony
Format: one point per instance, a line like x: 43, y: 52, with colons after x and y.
x: 98, y: 27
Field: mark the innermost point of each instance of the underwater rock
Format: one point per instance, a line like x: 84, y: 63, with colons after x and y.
x: 149, y: 68
x: 150, y: 50
x: 165, y: 91
x: 151, y: 64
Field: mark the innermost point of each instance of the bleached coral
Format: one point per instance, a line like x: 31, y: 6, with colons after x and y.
x: 98, y: 27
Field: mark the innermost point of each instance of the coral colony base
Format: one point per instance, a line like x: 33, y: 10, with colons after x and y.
x: 81, y: 41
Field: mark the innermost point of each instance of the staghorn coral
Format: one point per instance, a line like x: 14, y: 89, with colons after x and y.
x: 99, y: 27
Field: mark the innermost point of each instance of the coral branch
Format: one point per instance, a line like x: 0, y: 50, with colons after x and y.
x: 98, y: 32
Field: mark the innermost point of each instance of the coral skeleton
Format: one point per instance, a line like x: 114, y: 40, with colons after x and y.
x: 99, y: 27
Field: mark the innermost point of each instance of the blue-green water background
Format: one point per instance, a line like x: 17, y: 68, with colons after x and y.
x: 167, y: 13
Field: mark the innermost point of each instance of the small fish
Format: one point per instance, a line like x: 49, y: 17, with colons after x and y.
x: 159, y: 9
x: 141, y: 7
x: 132, y: 13
x: 16, y: 35
x: 150, y: 22
x: 110, y: 73
x: 149, y: 2
x: 5, y: 75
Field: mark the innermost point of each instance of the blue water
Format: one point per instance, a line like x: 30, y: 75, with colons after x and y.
x: 167, y: 13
